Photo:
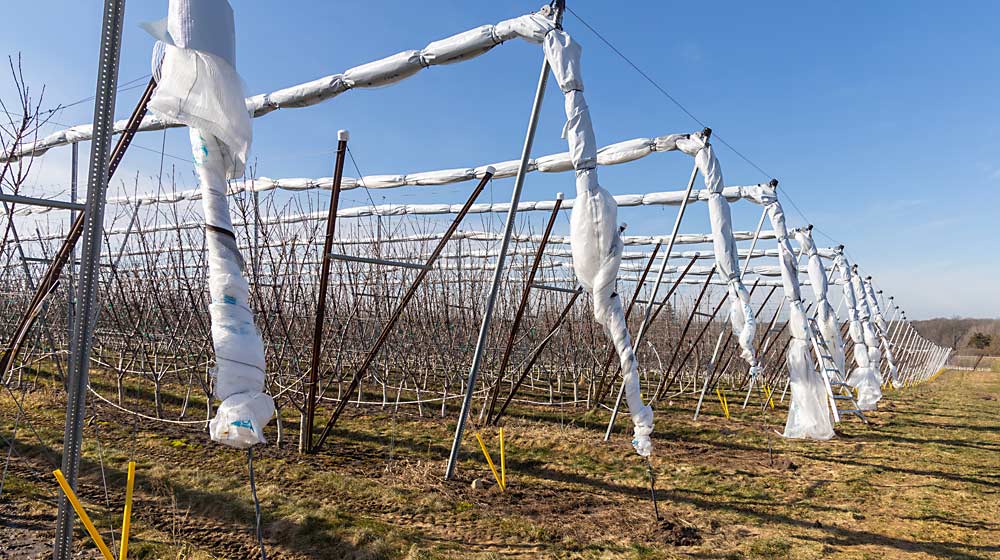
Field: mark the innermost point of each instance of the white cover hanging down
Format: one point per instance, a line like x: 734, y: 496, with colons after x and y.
x: 596, y: 238
x: 202, y: 89
x: 864, y: 377
x: 881, y: 329
x: 868, y: 331
x: 741, y: 315
x: 825, y: 316
x: 809, y: 413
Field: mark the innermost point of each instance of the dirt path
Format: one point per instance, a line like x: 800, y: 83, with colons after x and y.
x: 919, y: 482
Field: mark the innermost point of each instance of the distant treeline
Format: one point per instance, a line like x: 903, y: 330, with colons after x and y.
x: 957, y: 332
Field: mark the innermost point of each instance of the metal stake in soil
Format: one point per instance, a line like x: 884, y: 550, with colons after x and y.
x: 83, y: 325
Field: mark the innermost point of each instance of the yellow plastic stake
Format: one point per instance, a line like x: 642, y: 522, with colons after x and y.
x: 127, y: 516
x: 503, y: 462
x: 768, y: 392
x: 489, y: 460
x: 722, y: 401
x: 84, y: 518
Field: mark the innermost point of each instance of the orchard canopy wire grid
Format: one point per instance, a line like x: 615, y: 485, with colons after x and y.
x: 579, y: 321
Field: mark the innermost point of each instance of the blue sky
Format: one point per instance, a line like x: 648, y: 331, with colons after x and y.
x: 878, y: 117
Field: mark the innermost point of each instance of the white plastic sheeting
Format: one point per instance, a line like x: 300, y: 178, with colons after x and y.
x: 664, y: 198
x: 881, y: 329
x: 741, y: 315
x: 809, y: 414
x: 201, y: 89
x: 864, y: 377
x: 594, y: 231
x: 826, y: 318
x: 388, y: 70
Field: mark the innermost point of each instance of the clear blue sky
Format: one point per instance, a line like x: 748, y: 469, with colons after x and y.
x: 879, y: 117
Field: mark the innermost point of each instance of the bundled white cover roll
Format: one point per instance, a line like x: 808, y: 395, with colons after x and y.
x: 741, y: 315
x: 594, y: 232
x: 825, y: 316
x: 809, y: 413
x: 199, y: 86
x: 864, y: 377
x: 881, y: 329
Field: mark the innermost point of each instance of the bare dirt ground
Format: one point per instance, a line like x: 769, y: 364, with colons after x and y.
x: 920, y: 482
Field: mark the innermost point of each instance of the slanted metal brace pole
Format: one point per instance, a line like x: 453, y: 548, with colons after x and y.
x: 508, y: 231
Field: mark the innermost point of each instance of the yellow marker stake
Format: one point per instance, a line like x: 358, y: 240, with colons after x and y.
x: 489, y: 460
x: 503, y: 463
x: 722, y: 401
x: 84, y: 518
x: 768, y: 393
x: 127, y: 516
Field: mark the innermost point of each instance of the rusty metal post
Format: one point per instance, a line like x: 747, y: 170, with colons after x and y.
x: 324, y: 279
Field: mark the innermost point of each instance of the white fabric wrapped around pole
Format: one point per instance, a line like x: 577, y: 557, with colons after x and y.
x: 864, y: 377
x: 199, y: 87
x: 809, y: 414
x: 825, y: 316
x: 867, y: 328
x: 882, y: 329
x: 741, y: 315
x: 595, y: 236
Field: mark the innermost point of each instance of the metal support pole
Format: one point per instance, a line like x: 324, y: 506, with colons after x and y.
x: 71, y: 304
x: 83, y: 328
x: 756, y: 237
x: 656, y: 285
x: 317, y: 343
x: 508, y: 230
x: 40, y: 202
x: 521, y: 306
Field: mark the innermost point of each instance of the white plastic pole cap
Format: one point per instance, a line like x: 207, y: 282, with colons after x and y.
x: 343, y: 135
x: 491, y: 170
x: 559, y: 196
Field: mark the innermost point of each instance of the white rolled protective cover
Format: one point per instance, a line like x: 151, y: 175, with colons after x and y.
x: 809, y: 413
x: 741, y: 315
x: 594, y: 232
x: 864, y: 377
x: 462, y: 46
x: 203, y: 90
x: 881, y: 329
x: 825, y: 315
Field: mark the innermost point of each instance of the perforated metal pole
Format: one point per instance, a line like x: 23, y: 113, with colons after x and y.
x: 83, y: 326
x: 508, y: 230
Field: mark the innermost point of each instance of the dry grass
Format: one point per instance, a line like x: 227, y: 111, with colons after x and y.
x: 920, y: 482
